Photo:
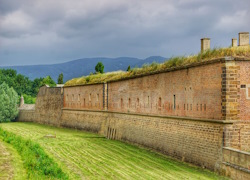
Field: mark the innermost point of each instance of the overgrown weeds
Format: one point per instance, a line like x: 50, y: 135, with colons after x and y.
x: 37, y: 163
x: 168, y: 64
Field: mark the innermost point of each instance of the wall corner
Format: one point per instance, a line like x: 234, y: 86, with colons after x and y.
x: 230, y: 91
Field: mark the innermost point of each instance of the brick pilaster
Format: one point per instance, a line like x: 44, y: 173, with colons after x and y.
x: 230, y: 90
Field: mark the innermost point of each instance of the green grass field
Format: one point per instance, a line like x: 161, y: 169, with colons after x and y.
x: 84, y: 155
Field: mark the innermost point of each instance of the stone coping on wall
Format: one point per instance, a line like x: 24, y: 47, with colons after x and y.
x: 159, y: 116
x: 84, y: 84
x: 196, y: 64
x: 47, y: 86
x: 27, y: 107
x: 241, y: 58
x: 236, y: 150
x: 27, y: 110
x: 237, y: 159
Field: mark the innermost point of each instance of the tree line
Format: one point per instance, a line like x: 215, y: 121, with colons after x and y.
x: 13, y: 86
x: 24, y: 86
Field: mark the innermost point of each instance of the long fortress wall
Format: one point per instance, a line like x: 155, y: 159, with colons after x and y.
x: 190, y: 113
x: 190, y: 92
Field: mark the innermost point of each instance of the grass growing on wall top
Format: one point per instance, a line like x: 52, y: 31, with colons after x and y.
x: 154, y: 67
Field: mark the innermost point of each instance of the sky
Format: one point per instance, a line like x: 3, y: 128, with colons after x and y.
x: 56, y: 31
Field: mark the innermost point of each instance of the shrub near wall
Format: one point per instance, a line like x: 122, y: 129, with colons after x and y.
x: 8, y: 103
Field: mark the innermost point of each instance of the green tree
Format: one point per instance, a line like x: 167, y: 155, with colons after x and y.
x: 129, y: 69
x: 36, y: 84
x: 8, y: 103
x: 60, y: 79
x: 99, y: 67
x: 20, y: 83
x: 48, y: 81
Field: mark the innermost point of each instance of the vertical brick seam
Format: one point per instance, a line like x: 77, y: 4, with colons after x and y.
x: 230, y: 91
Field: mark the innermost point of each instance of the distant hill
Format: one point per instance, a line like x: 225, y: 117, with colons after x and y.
x: 81, y: 67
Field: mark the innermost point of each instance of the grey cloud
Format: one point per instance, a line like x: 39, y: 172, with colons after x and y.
x: 53, y: 31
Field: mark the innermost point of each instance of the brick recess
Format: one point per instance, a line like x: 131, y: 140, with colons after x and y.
x: 244, y: 102
x: 84, y: 97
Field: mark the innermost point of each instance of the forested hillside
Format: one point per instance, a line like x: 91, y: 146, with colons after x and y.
x: 82, y: 67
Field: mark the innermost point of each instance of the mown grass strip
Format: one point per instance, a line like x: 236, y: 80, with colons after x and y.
x: 36, y: 161
x: 84, y: 155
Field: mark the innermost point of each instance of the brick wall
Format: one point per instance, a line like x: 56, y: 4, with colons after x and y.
x: 236, y: 164
x: 236, y: 103
x: 244, y: 89
x: 27, y: 115
x: 237, y: 135
x: 194, y: 141
x: 217, y: 90
x: 190, y: 92
x: 84, y: 97
x: 48, y: 107
x: 83, y: 119
x: 230, y: 90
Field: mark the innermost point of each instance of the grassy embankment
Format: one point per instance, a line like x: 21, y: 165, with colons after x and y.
x: 11, y: 164
x: 154, y: 67
x: 85, y: 155
x: 36, y: 162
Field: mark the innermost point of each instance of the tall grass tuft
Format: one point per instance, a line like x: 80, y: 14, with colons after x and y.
x: 37, y: 163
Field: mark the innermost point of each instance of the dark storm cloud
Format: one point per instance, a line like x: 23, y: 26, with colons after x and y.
x: 35, y: 31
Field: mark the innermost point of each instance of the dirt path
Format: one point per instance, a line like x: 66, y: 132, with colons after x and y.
x: 6, y: 169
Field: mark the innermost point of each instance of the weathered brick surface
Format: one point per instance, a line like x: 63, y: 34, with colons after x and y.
x: 238, y: 105
x: 190, y: 140
x: 48, y: 107
x: 237, y: 135
x: 87, y: 120
x: 244, y: 86
x: 27, y: 115
x: 49, y: 104
x: 193, y: 92
x: 84, y: 97
x: 236, y: 164
x: 230, y: 91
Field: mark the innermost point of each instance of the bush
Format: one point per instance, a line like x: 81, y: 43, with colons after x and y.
x: 48, y: 81
x: 29, y: 99
x: 8, y: 103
